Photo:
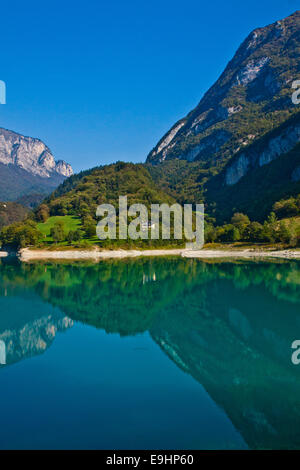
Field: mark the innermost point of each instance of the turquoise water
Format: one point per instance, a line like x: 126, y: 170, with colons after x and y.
x: 149, y: 354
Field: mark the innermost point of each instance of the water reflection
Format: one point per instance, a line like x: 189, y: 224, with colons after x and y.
x: 229, y: 325
x: 28, y: 324
x: 2, y: 353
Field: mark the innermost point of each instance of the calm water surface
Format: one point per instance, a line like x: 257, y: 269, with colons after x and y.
x: 149, y: 354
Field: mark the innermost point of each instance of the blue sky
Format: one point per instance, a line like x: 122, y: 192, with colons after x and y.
x: 103, y: 81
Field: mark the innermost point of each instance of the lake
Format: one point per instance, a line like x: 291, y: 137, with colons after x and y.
x: 162, y: 353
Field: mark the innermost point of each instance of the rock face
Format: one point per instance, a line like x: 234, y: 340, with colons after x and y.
x: 284, y: 139
x: 259, y: 175
x: 30, y: 154
x: 28, y: 168
x: 251, y: 97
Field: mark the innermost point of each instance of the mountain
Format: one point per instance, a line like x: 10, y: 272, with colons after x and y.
x: 27, y: 166
x: 259, y: 175
x: 11, y: 212
x: 243, y: 124
x: 251, y: 96
x: 81, y: 194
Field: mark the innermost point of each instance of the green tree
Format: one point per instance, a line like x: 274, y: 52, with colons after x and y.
x: 90, y: 230
x: 20, y: 235
x: 254, y: 232
x: 74, y: 236
x: 57, y: 232
x: 240, y: 221
x: 228, y: 233
x: 284, y: 233
x: 42, y: 213
x: 77, y: 235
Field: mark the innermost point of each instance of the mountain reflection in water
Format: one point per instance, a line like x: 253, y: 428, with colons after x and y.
x: 229, y: 325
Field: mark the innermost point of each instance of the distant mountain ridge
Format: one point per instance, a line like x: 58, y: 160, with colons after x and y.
x: 27, y: 166
x: 31, y: 155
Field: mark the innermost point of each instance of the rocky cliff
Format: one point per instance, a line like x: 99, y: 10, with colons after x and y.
x: 258, y: 176
x: 252, y: 95
x: 264, y: 151
x: 27, y: 167
x: 30, y: 154
x: 239, y: 149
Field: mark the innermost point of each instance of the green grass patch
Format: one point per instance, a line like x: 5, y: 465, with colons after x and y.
x: 70, y: 223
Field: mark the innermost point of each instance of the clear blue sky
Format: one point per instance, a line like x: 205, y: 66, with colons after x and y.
x: 100, y: 81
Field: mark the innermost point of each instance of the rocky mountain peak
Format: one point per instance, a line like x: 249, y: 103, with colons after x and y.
x: 251, y: 96
x: 31, y: 155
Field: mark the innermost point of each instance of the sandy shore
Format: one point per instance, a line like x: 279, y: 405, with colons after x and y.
x: 206, y: 254
x: 96, y: 255
x: 26, y: 254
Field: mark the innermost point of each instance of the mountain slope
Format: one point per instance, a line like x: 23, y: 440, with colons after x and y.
x: 27, y: 166
x: 251, y: 97
x: 81, y: 194
x: 11, y: 212
x: 258, y: 176
x: 238, y: 150
x: 16, y: 183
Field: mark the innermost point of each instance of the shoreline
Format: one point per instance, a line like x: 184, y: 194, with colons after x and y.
x: 26, y: 254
